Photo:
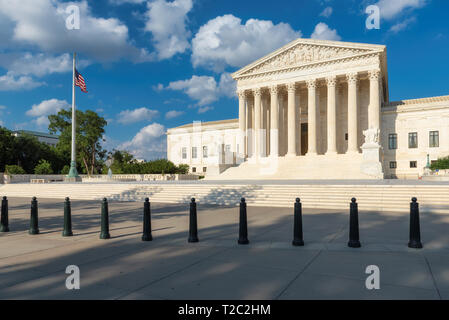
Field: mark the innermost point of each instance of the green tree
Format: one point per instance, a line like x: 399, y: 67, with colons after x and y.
x: 44, y: 167
x: 441, y: 163
x: 14, y: 169
x: 89, y: 134
x: 6, y: 148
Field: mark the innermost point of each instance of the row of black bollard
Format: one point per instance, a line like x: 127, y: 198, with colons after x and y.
x: 354, y: 237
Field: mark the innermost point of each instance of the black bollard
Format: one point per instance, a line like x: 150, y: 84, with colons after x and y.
x: 4, y: 221
x: 147, y: 221
x: 193, y: 226
x: 67, y: 232
x: 415, y: 233
x: 354, y: 225
x: 104, y: 220
x: 34, y: 228
x: 243, y: 225
x: 298, y: 240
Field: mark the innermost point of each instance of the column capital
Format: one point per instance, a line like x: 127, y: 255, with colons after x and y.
x: 331, y: 81
x: 241, y: 94
x: 274, y: 90
x: 374, y: 75
x: 291, y: 87
x: 311, y: 84
x: 352, y: 77
x: 257, y: 92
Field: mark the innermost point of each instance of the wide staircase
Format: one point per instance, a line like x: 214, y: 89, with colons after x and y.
x: 377, y: 197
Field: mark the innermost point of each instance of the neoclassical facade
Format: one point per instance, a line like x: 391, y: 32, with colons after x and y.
x: 318, y: 109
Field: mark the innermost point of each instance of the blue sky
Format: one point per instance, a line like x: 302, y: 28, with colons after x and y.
x: 152, y: 65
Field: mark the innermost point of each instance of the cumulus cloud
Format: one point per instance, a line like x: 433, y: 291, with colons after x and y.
x: 41, y: 24
x: 11, y: 82
x: 148, y: 143
x: 402, y: 25
x: 205, y: 89
x: 42, y: 110
x: 323, y: 32
x: 390, y: 9
x: 47, y: 107
x: 136, y: 115
x: 327, y: 12
x: 39, y: 64
x: 202, y: 110
x: 225, y: 41
x: 119, y: 2
x: 167, y: 23
x: 173, y: 114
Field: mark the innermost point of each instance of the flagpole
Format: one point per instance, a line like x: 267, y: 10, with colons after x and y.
x: 73, y: 174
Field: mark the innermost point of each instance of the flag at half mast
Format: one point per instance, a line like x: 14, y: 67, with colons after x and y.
x: 79, y: 81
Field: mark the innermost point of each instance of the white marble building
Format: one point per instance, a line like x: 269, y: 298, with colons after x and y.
x: 317, y: 109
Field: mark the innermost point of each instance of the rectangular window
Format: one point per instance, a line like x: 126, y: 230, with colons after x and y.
x: 413, y: 140
x: 346, y: 137
x: 204, y: 169
x: 393, y: 164
x: 184, y: 153
x: 434, y: 139
x: 413, y: 164
x: 205, y: 152
x: 228, y: 148
x: 392, y: 141
x: 194, y: 152
x: 193, y: 169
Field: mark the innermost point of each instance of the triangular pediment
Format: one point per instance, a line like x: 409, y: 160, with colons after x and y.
x: 305, y: 52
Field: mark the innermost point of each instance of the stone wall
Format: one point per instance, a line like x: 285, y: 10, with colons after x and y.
x: 26, y: 178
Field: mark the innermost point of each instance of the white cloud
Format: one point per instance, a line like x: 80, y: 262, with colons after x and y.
x: 327, y: 12
x: 167, y: 22
x: 39, y: 64
x: 119, y: 2
x: 402, y: 25
x: 41, y: 23
x: 148, y: 143
x: 173, y: 114
x: 204, y: 109
x: 136, y: 115
x: 205, y: 89
x: 11, y: 82
x: 47, y: 107
x: 41, y: 111
x: 225, y: 41
x: 323, y: 32
x: 389, y: 9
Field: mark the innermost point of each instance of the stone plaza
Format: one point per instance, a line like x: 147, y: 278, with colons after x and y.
x: 124, y: 267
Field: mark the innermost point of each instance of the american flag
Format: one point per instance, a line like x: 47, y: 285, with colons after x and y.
x: 79, y: 81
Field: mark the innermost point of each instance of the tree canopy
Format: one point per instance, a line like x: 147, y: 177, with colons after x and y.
x: 89, y: 134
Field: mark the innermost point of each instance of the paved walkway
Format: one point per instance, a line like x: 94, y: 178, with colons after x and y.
x: 124, y: 267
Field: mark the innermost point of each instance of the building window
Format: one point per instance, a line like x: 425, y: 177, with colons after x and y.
x: 204, y: 169
x: 393, y: 164
x: 346, y: 137
x: 193, y: 169
x: 194, y: 152
x: 228, y: 148
x: 434, y: 139
x: 184, y: 153
x: 205, y: 152
x: 413, y: 140
x: 413, y: 164
x: 392, y: 141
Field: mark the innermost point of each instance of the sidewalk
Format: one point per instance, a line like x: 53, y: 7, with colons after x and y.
x: 124, y: 267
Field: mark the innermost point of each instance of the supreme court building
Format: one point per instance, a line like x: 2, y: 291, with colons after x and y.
x: 317, y: 109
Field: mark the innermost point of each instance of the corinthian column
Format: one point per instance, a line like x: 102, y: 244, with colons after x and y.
x: 274, y: 127
x: 242, y: 124
x: 374, y: 100
x: 331, y: 116
x: 311, y: 117
x: 352, y: 113
x: 257, y: 120
x: 291, y: 120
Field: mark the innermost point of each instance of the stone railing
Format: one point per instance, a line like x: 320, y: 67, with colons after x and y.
x: 26, y: 178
